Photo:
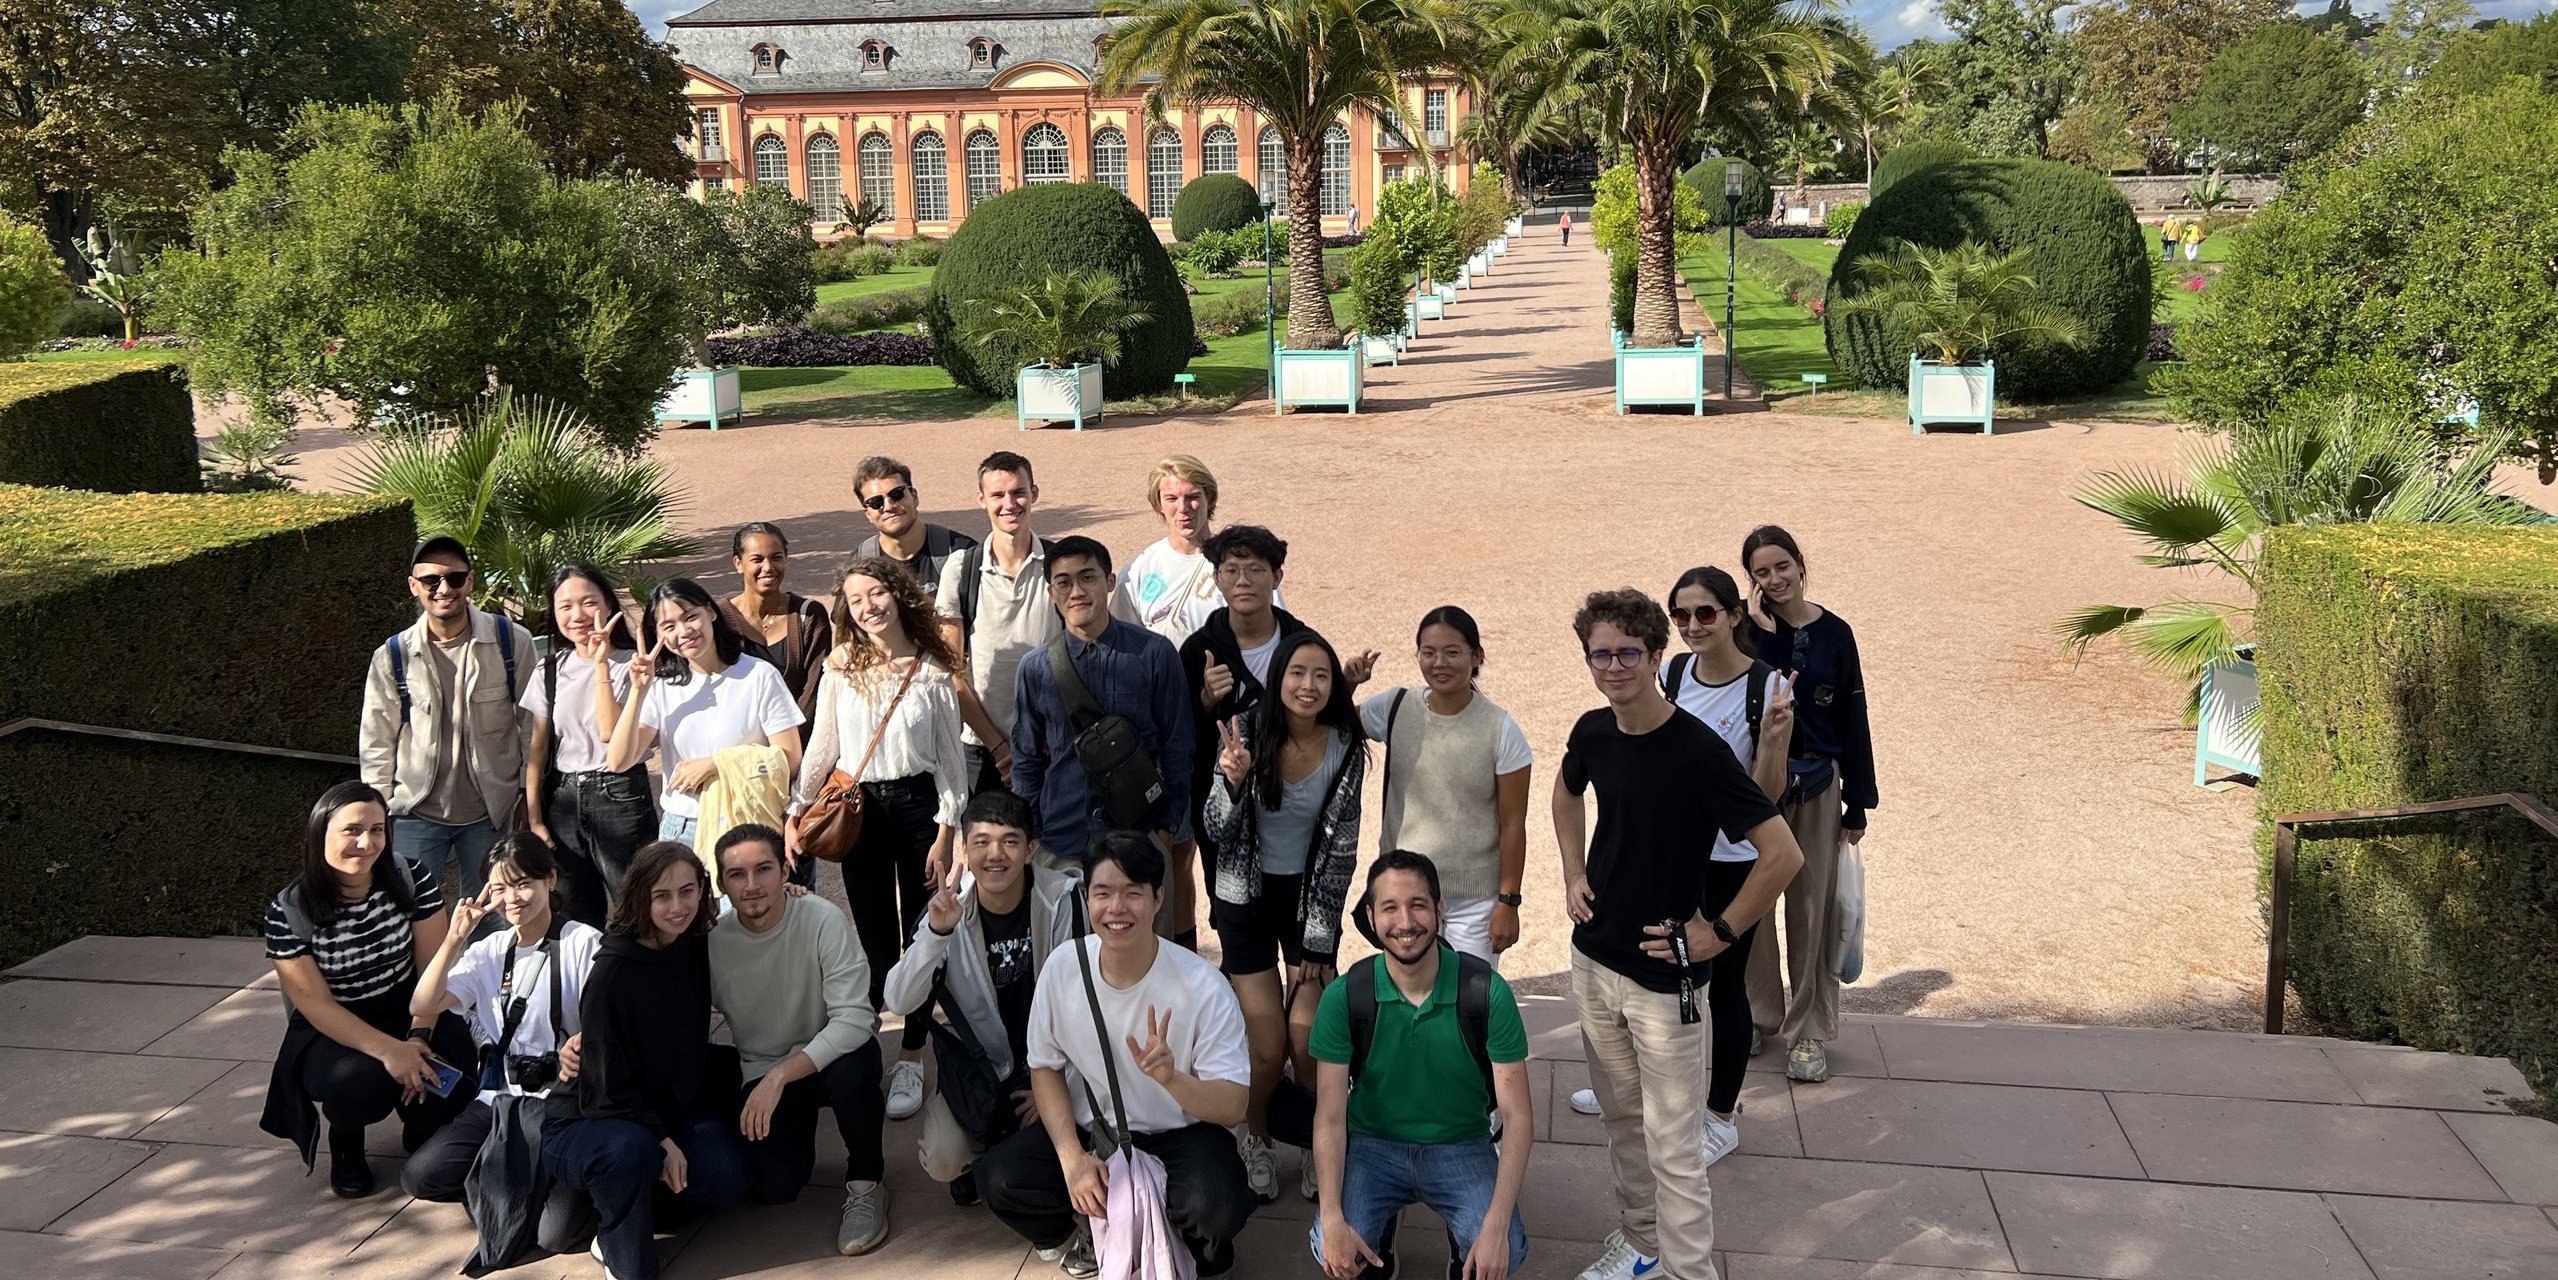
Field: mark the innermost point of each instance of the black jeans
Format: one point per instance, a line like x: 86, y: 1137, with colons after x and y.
x: 598, y: 822
x: 354, y: 1091
x: 1727, y: 995
x: 779, y: 1166
x: 982, y: 773
x: 884, y: 879
x: 441, y: 1169
x: 1205, y: 1193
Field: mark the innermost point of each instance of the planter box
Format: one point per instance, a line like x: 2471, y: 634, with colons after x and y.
x: 1305, y: 378
x: 1964, y: 393
x: 1384, y: 349
x: 1661, y: 375
x: 703, y: 395
x: 1482, y: 262
x: 2227, y: 730
x: 1431, y: 305
x: 1057, y: 395
x: 1517, y: 226
x: 1447, y: 292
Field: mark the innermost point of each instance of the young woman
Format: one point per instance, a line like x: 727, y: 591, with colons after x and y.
x: 520, y: 990
x: 1284, y: 820
x: 1456, y: 784
x: 347, y: 938
x: 783, y: 628
x: 694, y: 692
x: 644, y: 1106
x: 1720, y: 683
x: 592, y: 816
x: 888, y: 717
x: 1830, y: 785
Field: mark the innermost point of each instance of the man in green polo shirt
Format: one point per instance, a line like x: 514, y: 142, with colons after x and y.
x: 1415, y: 1127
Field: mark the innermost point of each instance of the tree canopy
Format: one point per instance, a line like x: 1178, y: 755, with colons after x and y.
x: 2150, y: 56
x: 2285, y: 93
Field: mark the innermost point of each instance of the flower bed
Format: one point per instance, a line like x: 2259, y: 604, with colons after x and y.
x: 800, y: 347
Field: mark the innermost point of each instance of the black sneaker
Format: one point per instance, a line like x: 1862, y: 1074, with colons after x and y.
x: 963, y: 1190
x: 350, y: 1174
x: 1385, y: 1268
x: 1216, y: 1260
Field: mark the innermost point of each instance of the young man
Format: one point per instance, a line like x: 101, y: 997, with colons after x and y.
x: 441, y: 734
x: 1170, y: 588
x: 1666, y: 784
x: 1172, y: 1034
x: 997, y: 593
x: 788, y: 975
x: 1405, y: 1089
x: 1126, y: 672
x: 1226, y: 665
x: 891, y: 503
x: 978, y: 950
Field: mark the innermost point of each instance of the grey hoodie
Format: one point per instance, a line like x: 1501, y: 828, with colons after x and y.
x: 960, y: 959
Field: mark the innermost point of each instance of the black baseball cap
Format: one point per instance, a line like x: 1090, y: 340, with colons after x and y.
x: 442, y: 544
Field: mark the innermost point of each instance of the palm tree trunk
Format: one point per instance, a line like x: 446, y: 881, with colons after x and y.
x: 1656, y: 296
x: 1310, y: 321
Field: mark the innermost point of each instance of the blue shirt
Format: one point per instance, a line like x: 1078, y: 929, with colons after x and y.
x: 1131, y: 672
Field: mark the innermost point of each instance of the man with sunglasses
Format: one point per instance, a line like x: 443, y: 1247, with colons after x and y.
x: 1635, y: 889
x: 442, y: 735
x: 893, y: 506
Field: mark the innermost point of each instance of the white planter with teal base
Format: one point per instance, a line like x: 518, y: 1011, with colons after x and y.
x: 1661, y: 375
x: 1302, y: 379
x: 1383, y: 349
x: 1447, y: 292
x: 1057, y: 395
x: 1431, y: 305
x: 703, y: 395
x: 1517, y: 225
x: 2227, y: 730
x: 1953, y: 393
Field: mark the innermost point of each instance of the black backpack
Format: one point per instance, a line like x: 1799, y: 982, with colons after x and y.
x: 1474, y: 1015
x: 1755, y: 699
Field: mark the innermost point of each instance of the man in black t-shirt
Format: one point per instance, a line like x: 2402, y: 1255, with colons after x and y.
x: 978, y: 952
x: 1635, y: 890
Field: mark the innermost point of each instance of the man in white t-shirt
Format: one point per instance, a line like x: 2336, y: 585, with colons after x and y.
x: 1170, y: 588
x: 1174, y: 1040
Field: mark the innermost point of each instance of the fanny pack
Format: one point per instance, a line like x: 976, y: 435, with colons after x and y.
x: 1808, y: 776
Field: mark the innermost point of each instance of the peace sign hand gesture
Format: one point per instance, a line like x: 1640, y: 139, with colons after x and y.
x: 599, y: 641
x: 1776, y: 719
x: 1234, y: 759
x: 468, y: 913
x: 644, y: 668
x: 1155, y: 1056
x: 942, y: 911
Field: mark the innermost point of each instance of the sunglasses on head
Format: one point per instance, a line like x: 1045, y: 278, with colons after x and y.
x: 454, y: 581
x: 1704, y: 615
x: 881, y: 502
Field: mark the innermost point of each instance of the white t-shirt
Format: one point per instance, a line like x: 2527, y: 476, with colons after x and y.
x: 1509, y: 756
x: 1257, y: 660
x: 1172, y: 594
x: 476, y: 977
x: 576, y: 747
x: 1207, y: 1038
x: 748, y: 703
x: 1725, y: 708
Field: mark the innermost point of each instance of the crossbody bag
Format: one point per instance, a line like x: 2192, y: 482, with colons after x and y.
x: 831, y: 826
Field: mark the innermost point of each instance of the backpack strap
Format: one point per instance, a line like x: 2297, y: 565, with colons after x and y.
x: 1474, y: 1018
x: 399, y: 674
x: 1393, y: 709
x: 506, y: 651
x: 1362, y: 996
x: 1081, y: 711
x: 1674, y: 673
x: 972, y: 572
x: 1755, y: 699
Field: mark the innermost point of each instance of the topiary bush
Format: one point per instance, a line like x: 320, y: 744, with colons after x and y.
x: 32, y: 291
x: 1705, y: 178
x: 2091, y: 260
x: 1376, y: 276
x: 1842, y: 219
x: 1214, y: 202
x: 1621, y: 292
x: 1022, y: 237
x: 112, y: 426
x: 1911, y: 158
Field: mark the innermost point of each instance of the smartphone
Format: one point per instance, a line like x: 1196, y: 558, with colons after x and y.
x: 447, y: 1076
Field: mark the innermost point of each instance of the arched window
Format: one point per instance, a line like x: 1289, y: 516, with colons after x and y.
x: 768, y: 60
x: 1218, y: 152
x: 772, y: 161
x: 879, y: 173
x: 985, y: 167
x: 1110, y: 159
x: 1043, y: 154
x: 932, y: 178
x: 1336, y: 171
x: 874, y: 55
x: 981, y: 53
x: 1274, y: 166
x: 825, y: 180
x: 1163, y: 172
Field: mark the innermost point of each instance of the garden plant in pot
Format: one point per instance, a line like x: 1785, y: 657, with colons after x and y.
x: 1377, y: 281
x: 1960, y: 306
x: 1071, y: 321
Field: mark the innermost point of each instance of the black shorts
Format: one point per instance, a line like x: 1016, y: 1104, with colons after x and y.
x: 1257, y: 938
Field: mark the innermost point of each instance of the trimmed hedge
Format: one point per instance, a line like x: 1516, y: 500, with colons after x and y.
x: 1022, y: 236
x: 1214, y: 202
x: 1705, y: 177
x: 1912, y: 158
x: 113, y: 426
x: 2091, y: 259
x: 2403, y: 664
x: 245, y: 618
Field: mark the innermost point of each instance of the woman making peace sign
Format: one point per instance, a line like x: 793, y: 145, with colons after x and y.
x: 694, y: 692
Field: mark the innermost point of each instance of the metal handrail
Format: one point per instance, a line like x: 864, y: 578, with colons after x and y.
x: 172, y: 740
x: 2278, y: 946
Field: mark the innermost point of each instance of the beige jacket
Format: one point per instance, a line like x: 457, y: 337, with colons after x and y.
x: 399, y: 759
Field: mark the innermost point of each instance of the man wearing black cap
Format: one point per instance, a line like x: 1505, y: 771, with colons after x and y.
x: 442, y: 735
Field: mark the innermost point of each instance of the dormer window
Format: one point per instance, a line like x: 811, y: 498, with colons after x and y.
x: 981, y: 53
x: 874, y: 55
x: 768, y: 60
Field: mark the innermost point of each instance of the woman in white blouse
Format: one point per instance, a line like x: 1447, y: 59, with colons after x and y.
x: 888, y: 683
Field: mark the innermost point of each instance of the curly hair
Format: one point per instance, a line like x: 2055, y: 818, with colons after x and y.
x: 1630, y: 611
x: 855, y: 654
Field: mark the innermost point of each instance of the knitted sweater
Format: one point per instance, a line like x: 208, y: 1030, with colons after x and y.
x: 1234, y: 822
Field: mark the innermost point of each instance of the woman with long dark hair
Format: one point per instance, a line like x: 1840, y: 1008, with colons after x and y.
x: 595, y: 818
x: 347, y: 938
x: 888, y: 719
x: 782, y: 627
x: 695, y: 691
x: 1829, y: 788
x: 1284, y: 819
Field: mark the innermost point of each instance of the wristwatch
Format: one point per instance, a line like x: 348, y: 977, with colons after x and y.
x: 423, y: 1035
x: 1723, y: 931
x: 1511, y: 899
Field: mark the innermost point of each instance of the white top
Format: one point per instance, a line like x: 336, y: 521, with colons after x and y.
x: 1510, y: 756
x: 1207, y: 1039
x: 923, y: 736
x: 576, y: 746
x: 1014, y: 616
x: 1257, y: 659
x: 475, y: 978
x: 1725, y: 708
x: 747, y: 703
x: 1171, y: 593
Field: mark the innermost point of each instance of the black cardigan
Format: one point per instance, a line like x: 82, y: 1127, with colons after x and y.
x: 646, y: 1021
x: 1216, y: 638
x: 1829, y: 702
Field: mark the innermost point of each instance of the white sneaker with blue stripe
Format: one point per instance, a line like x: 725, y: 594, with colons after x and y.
x: 1622, y: 1261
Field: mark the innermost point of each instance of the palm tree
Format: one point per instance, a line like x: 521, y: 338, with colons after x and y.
x: 1065, y: 319
x: 1896, y: 94
x: 1965, y: 302
x: 1658, y: 70
x: 2337, y: 464
x: 1302, y: 65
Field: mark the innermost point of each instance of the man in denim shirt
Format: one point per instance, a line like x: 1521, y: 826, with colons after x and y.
x: 1131, y: 672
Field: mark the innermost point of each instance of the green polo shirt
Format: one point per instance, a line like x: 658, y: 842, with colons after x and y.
x: 1420, y: 1083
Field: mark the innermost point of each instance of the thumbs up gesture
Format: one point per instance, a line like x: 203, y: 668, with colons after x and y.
x: 1216, y: 680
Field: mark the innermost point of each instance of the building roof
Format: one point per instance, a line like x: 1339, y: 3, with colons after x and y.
x: 828, y: 57
x: 733, y: 12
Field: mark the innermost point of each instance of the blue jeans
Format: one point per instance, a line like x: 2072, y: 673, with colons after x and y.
x: 436, y: 845
x: 1453, y: 1179
x: 677, y: 826
x: 617, y: 1163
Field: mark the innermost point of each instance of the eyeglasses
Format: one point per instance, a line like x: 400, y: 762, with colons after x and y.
x: 1602, y: 659
x: 1244, y: 571
x: 881, y: 502
x: 458, y: 580
x: 1704, y: 614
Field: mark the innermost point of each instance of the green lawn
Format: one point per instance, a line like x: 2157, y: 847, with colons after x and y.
x: 1816, y: 254
x: 895, y: 278
x: 111, y: 353
x: 1775, y: 341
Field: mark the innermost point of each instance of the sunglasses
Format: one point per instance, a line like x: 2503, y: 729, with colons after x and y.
x: 1704, y: 615
x: 881, y: 502
x: 457, y: 580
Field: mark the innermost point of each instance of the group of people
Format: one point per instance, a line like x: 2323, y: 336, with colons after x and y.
x: 1029, y: 762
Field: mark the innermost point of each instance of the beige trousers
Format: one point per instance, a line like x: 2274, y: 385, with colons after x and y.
x: 1811, y: 1011
x: 1648, y: 1069
x: 943, y: 1146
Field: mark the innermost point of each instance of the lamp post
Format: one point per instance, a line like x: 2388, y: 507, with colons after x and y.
x: 1269, y: 293
x: 1731, y: 256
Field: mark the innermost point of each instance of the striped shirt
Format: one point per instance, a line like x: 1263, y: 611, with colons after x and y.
x: 368, y: 950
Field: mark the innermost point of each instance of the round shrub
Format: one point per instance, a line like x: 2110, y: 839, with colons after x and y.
x: 1916, y: 157
x: 1705, y: 177
x: 31, y: 287
x: 1842, y: 219
x: 2090, y: 260
x: 1214, y: 202
x: 1023, y: 236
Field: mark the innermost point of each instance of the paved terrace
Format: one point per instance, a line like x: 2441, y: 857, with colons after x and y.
x: 1942, y: 1150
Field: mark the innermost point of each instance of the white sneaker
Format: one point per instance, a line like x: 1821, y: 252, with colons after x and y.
x: 1308, y: 1185
x: 1586, y: 1101
x: 1259, y: 1168
x: 595, y: 1250
x: 1722, y: 1137
x: 1077, y: 1259
x: 905, y: 1089
x: 1622, y: 1261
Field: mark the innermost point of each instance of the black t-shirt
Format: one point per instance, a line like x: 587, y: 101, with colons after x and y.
x: 1008, y: 959
x: 1662, y: 796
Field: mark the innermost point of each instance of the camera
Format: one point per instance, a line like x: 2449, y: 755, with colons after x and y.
x: 532, y: 1073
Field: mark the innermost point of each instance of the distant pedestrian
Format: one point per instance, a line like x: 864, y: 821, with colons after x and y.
x: 2193, y: 238
x: 1566, y: 224
x: 2167, y: 238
